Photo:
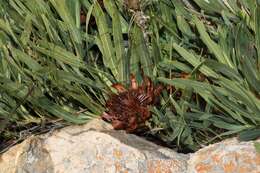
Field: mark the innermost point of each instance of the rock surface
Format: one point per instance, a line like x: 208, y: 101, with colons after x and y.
x: 229, y: 156
x: 96, y: 148
x: 85, y: 149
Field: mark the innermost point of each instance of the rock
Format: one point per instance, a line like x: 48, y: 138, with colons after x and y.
x: 229, y: 156
x: 88, y: 149
x: 97, y: 148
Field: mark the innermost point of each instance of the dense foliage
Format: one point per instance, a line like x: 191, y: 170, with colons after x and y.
x: 59, y: 58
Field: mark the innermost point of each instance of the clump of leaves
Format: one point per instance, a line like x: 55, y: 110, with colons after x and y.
x: 129, y: 109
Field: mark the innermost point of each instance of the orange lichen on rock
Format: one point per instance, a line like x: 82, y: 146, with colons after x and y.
x: 244, y: 169
x: 161, y: 166
x: 203, y: 168
x: 117, y: 153
x: 118, y: 167
x: 216, y: 158
x: 257, y: 160
x: 229, y: 167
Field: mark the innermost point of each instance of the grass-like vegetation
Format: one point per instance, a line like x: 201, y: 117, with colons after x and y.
x: 56, y: 68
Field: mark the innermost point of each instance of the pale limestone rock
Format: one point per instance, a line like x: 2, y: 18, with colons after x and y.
x: 87, y: 149
x: 111, y: 151
x: 96, y: 148
x: 229, y: 156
